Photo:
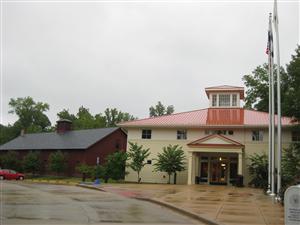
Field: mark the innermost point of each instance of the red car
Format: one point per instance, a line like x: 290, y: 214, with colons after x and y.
x: 11, y: 175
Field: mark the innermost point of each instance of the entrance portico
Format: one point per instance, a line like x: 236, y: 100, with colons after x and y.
x: 214, y: 159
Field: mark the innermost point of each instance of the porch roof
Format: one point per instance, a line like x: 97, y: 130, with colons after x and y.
x: 216, y: 141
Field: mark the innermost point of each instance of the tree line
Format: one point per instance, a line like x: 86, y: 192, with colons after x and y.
x: 32, y: 117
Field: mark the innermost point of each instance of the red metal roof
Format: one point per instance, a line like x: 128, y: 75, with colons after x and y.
x: 212, y: 117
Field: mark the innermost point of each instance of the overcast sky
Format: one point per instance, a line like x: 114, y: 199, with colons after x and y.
x: 130, y: 55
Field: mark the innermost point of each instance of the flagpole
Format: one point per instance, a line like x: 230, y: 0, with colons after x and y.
x: 270, y: 116
x: 279, y: 136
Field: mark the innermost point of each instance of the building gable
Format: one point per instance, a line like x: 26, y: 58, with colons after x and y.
x: 215, y: 140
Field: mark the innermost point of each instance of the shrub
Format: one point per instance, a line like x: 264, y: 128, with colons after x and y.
x: 258, y: 170
x: 115, y: 165
x: 10, y: 161
x: 57, y: 162
x: 85, y: 170
x: 32, y: 162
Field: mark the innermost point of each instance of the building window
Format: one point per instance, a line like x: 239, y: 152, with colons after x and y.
x: 181, y: 134
x: 149, y: 162
x: 257, y: 135
x: 223, y: 132
x: 230, y: 132
x: 146, y: 134
x: 117, y: 145
x: 234, y: 100
x: 295, y: 136
x: 214, y: 100
x: 224, y: 100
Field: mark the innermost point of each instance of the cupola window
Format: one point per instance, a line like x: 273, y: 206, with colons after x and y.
x: 224, y: 100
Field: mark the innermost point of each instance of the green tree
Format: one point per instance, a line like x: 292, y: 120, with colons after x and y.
x: 137, y: 155
x: 32, y: 162
x: 258, y: 170
x: 57, y: 162
x: 292, y: 101
x: 171, y: 160
x: 114, y: 116
x: 31, y: 114
x: 85, y: 170
x: 84, y: 120
x: 10, y: 160
x: 257, y: 94
x: 291, y: 163
x: 159, y: 109
x: 115, y: 165
x: 65, y: 114
x: 8, y: 133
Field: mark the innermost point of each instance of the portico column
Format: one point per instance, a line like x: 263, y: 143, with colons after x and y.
x: 240, y: 164
x: 190, y: 168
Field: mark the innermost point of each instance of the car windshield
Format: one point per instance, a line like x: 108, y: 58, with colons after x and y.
x: 12, y: 171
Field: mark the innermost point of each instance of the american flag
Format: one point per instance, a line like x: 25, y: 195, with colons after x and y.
x: 269, y: 50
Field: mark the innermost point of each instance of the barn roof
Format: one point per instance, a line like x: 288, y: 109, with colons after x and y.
x: 79, y: 139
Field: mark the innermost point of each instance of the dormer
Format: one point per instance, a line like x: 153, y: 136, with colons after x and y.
x: 225, y: 96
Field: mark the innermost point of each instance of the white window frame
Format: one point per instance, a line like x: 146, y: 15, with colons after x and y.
x: 146, y: 134
x: 234, y: 100
x: 257, y: 135
x: 214, y: 100
x: 224, y: 100
x: 181, y: 134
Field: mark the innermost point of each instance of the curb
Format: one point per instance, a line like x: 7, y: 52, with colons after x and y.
x: 180, y: 210
x: 164, y: 204
x: 50, y: 182
x: 90, y: 187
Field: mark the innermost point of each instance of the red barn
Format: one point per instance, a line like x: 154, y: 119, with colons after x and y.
x: 90, y: 146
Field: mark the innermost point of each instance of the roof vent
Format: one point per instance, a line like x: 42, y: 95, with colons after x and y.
x: 63, y: 126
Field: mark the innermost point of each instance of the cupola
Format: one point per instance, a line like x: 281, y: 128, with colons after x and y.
x: 225, y: 96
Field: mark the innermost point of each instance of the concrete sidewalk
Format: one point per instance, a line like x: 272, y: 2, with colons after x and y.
x: 227, y: 205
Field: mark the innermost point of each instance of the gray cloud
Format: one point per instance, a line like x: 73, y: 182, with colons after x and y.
x: 130, y: 55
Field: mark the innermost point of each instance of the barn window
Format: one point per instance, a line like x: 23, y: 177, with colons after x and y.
x: 117, y: 145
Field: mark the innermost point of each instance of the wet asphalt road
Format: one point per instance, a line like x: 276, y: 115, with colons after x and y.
x: 24, y: 204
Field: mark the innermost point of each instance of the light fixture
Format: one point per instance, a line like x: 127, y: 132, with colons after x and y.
x: 220, y: 158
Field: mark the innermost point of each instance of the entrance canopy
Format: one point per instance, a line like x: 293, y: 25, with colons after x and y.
x: 216, y: 144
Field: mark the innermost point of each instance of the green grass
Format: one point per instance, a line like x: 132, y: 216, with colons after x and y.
x: 64, y: 179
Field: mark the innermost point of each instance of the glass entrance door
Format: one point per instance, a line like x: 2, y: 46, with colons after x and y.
x: 218, y: 171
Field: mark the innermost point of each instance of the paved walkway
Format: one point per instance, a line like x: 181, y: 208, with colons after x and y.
x: 227, y: 205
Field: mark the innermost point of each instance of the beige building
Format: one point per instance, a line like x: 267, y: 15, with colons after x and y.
x: 217, y: 140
